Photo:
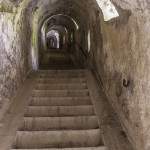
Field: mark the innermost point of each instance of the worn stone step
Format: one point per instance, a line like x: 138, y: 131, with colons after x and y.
x: 61, y: 75
x: 60, y: 101
x: 58, y: 63
x: 71, y: 71
x: 59, y: 93
x: 80, y: 148
x: 58, y: 139
x: 58, y: 86
x: 59, y: 111
x: 57, y: 66
x: 61, y: 80
x: 59, y: 123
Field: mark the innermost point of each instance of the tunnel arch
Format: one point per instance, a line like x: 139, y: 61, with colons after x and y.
x: 64, y: 38
x: 44, y: 25
x: 80, y: 11
x: 62, y: 22
x: 53, y: 39
x: 40, y: 11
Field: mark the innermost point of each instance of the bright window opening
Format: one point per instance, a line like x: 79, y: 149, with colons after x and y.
x: 108, y: 9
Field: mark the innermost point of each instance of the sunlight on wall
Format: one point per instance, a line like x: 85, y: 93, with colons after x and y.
x: 89, y: 41
x: 108, y: 9
x: 34, y: 59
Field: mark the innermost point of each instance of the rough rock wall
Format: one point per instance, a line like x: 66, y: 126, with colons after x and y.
x: 13, y: 56
x: 123, y: 64
x: 120, y: 52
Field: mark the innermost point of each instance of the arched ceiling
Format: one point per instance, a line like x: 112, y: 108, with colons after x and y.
x: 81, y: 6
x: 78, y: 9
x: 59, y: 28
x: 74, y: 9
x: 60, y: 20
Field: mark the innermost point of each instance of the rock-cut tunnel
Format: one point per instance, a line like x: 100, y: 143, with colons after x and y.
x: 74, y: 74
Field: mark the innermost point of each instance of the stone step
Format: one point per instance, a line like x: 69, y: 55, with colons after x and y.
x: 59, y: 111
x: 58, y: 86
x: 59, y: 123
x: 58, y: 139
x: 60, y: 101
x: 81, y: 148
x: 74, y: 71
x: 61, y: 80
x: 59, y: 93
x: 60, y: 114
x: 57, y: 66
x: 60, y: 61
x: 61, y: 75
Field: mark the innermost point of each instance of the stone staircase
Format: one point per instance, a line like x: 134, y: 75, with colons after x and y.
x: 56, y: 59
x: 60, y: 114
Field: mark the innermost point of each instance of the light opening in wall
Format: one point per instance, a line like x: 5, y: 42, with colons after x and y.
x: 108, y: 9
x: 89, y: 41
x: 53, y: 33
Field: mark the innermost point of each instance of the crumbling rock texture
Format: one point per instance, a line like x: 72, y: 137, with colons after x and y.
x: 119, y: 53
x: 14, y: 53
x: 124, y: 68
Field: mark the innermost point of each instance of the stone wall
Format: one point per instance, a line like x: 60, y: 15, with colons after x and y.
x: 122, y: 61
x: 119, y: 51
x: 14, y: 53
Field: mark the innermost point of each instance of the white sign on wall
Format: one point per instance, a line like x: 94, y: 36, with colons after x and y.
x: 108, y: 9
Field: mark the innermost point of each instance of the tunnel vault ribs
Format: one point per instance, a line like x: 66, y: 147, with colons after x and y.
x: 60, y: 114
